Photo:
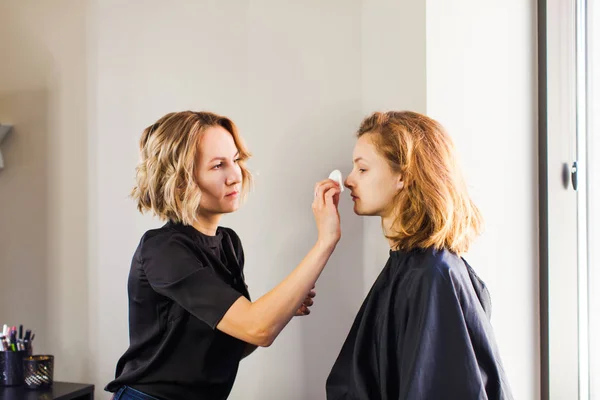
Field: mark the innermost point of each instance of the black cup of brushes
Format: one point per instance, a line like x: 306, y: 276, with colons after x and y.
x: 11, y: 368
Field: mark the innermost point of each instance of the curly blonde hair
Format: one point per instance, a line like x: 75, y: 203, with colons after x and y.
x: 434, y: 209
x: 166, y: 182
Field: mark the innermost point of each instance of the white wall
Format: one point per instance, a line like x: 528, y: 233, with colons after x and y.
x: 394, y: 78
x: 297, y: 77
x: 481, y: 84
x: 43, y: 188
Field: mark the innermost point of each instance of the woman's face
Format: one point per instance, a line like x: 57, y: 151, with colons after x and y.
x: 219, y: 175
x: 372, y: 183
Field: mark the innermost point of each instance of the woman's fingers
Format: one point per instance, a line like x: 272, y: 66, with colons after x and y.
x: 321, y: 188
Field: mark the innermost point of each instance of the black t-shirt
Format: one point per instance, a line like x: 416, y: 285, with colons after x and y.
x: 181, y: 283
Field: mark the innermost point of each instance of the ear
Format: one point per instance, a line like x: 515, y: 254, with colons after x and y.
x: 399, y: 183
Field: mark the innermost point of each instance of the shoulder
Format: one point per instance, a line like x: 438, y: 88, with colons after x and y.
x: 431, y: 269
x: 232, y: 234
x: 235, y: 239
x: 443, y: 277
x: 164, y: 242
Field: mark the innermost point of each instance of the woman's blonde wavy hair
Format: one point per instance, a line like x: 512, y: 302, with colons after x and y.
x: 434, y: 208
x: 166, y: 182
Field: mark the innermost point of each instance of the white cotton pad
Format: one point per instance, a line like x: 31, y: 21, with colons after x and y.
x: 336, y: 175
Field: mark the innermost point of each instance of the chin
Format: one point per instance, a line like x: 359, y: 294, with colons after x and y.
x: 363, y: 212
x: 229, y: 208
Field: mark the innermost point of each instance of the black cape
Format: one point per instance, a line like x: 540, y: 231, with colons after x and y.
x: 423, y: 332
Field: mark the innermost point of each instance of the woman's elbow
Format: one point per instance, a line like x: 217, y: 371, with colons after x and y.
x: 266, y: 342
x: 262, y: 337
x: 244, y: 322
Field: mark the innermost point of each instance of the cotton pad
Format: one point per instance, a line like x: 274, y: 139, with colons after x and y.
x: 336, y: 175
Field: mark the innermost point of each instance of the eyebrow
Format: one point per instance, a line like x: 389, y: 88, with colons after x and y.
x: 223, y: 158
x: 357, y: 159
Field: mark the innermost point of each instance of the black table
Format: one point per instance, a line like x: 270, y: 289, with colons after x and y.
x: 58, y: 391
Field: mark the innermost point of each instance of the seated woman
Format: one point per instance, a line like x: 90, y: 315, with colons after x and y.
x: 423, y: 331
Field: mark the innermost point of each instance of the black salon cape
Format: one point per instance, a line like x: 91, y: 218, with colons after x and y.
x: 423, y: 332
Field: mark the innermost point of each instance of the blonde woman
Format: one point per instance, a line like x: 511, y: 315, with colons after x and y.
x: 191, y: 319
x: 423, y: 331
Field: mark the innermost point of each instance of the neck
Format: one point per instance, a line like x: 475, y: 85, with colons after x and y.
x: 207, y: 223
x: 386, y: 223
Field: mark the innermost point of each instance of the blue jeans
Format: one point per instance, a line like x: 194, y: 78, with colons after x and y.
x: 127, y: 393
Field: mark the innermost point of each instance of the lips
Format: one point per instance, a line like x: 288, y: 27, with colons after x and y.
x: 232, y: 194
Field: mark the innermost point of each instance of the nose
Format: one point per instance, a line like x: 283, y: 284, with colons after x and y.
x: 348, y: 182
x: 234, y: 177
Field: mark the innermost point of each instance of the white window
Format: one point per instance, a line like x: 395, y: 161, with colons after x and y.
x: 570, y: 198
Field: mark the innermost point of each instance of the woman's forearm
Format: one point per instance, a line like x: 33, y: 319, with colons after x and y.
x: 260, y: 322
x: 277, y: 307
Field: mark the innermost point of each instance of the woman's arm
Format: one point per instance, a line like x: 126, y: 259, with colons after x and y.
x: 261, y: 321
x: 303, y: 310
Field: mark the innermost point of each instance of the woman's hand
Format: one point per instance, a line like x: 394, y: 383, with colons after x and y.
x: 325, y: 210
x: 304, y: 308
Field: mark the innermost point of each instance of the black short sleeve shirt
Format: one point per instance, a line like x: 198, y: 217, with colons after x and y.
x: 181, y: 283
